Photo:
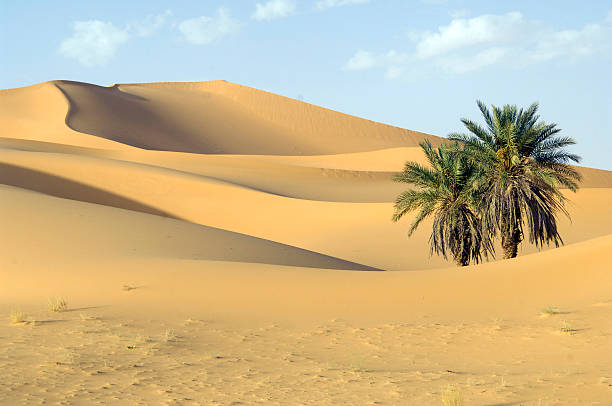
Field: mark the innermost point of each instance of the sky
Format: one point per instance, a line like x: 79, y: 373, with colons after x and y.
x: 417, y: 64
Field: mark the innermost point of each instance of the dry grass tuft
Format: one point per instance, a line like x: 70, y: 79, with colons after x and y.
x: 57, y: 304
x: 169, y: 336
x: 451, y: 396
x: 550, y: 311
x: 567, y: 328
x: 18, y: 317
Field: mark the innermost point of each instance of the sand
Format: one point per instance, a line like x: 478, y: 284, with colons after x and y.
x: 217, y: 244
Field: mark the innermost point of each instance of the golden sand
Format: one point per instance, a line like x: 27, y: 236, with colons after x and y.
x: 217, y: 244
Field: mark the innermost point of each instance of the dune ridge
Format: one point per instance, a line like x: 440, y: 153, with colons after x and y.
x: 303, y: 118
x: 39, y: 112
x: 213, y: 118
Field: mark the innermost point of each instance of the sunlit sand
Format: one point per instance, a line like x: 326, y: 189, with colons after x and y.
x: 217, y: 244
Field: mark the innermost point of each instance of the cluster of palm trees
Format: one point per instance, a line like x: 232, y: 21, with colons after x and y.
x: 504, y: 178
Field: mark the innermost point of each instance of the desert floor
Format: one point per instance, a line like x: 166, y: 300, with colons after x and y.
x: 216, y: 244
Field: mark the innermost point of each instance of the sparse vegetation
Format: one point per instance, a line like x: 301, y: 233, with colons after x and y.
x: 451, y: 396
x: 57, y: 304
x: 567, y: 328
x: 550, y: 311
x: 169, y: 336
x: 18, y: 317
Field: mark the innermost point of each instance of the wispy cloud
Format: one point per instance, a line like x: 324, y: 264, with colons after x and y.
x: 93, y: 42
x: 592, y: 39
x: 464, y: 33
x: 394, y: 62
x: 479, y: 60
x: 325, y: 4
x: 470, y: 44
x: 274, y: 9
x: 362, y: 60
x: 204, y: 30
x: 151, y: 23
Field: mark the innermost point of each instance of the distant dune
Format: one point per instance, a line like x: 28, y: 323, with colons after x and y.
x: 239, y: 204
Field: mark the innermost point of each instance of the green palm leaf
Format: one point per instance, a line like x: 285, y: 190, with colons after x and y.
x: 521, y: 163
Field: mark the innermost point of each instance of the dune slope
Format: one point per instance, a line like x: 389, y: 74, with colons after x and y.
x: 221, y: 117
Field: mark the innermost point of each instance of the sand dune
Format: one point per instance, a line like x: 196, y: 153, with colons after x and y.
x: 39, y: 112
x: 235, y: 204
x: 237, y: 219
x: 96, y: 233
x: 220, y: 117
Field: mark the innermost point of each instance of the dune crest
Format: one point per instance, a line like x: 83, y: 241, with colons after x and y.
x: 223, y: 118
x: 39, y: 112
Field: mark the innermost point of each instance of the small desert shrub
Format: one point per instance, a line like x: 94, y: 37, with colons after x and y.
x: 169, y: 336
x: 57, y: 304
x: 567, y: 328
x: 18, y: 317
x: 451, y: 396
x: 550, y: 311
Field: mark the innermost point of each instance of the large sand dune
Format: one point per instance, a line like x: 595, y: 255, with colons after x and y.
x: 213, y: 201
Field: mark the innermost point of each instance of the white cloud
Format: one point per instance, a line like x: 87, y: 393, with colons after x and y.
x: 480, y: 60
x: 463, y: 33
x: 93, y: 42
x: 469, y: 44
x: 204, y: 30
x: 274, y: 9
x: 361, y: 60
x: 325, y: 4
x: 592, y: 39
x: 150, y: 24
x: 394, y: 62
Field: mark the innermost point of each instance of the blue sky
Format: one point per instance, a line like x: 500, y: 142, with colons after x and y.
x: 418, y: 64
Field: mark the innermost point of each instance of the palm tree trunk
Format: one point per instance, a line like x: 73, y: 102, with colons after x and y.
x: 462, y: 261
x: 461, y: 255
x: 511, y: 232
x: 510, y: 242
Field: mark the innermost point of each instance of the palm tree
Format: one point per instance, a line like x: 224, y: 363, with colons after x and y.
x: 445, y: 191
x: 522, y: 164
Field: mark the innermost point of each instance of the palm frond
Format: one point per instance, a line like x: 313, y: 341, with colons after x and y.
x: 520, y: 165
x: 444, y: 191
